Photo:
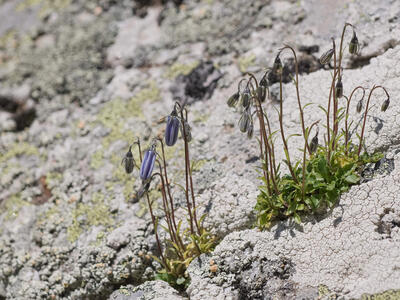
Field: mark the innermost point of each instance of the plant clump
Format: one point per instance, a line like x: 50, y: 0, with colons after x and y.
x: 326, y: 170
x: 182, y: 243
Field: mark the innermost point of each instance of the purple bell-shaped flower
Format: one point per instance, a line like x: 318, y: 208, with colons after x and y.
x: 172, y: 129
x: 149, y: 159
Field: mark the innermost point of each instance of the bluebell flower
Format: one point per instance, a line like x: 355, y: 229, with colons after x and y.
x: 172, y: 129
x: 149, y: 159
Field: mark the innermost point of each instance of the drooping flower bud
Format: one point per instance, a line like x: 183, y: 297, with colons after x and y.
x: 354, y: 46
x: 233, y: 100
x: 128, y: 161
x: 339, y: 88
x: 188, y: 131
x: 245, y: 121
x: 172, y: 129
x: 245, y: 100
x: 277, y: 67
x: 261, y: 93
x: 149, y: 159
x: 326, y: 57
x: 314, y: 143
x: 250, y: 131
x: 359, y: 106
x: 385, y: 104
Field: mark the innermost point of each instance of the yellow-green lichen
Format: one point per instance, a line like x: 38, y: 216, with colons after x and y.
x: 387, y: 295
x: 324, y: 292
x: 177, y: 69
x: 97, y: 159
x: 18, y: 149
x: 200, y: 117
x: 115, y: 113
x: 53, y: 179
x: 46, y: 6
x: 84, y: 216
x: 245, y: 62
x: 124, y: 291
x: 13, y: 205
x: 153, y: 196
x: 51, y: 215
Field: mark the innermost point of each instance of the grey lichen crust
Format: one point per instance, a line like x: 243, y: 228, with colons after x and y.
x: 150, y: 290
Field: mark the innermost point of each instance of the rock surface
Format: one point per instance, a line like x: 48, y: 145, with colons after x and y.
x: 80, y: 80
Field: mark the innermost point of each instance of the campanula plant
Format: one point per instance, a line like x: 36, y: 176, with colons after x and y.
x: 314, y: 183
x: 181, y: 245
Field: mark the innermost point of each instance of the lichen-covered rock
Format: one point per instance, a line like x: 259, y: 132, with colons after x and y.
x: 99, y: 74
x: 149, y: 290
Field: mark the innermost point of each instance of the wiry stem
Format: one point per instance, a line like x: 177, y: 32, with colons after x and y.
x: 264, y: 138
x: 347, y: 115
x: 283, y: 134
x: 187, y: 171
x: 365, y: 114
x: 297, y: 90
x: 167, y: 184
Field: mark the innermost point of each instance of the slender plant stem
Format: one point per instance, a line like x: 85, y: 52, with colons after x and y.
x: 297, y: 91
x: 268, y: 155
x: 341, y: 47
x: 167, y: 184
x: 188, y: 204
x: 165, y: 206
x: 190, y: 171
x: 347, y: 115
x: 365, y: 114
x: 153, y: 219
x: 331, y: 94
x: 282, y: 132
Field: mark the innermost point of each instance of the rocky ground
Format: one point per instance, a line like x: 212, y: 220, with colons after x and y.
x: 79, y: 80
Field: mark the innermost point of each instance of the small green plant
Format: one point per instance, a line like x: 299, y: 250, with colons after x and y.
x: 314, y: 183
x: 180, y: 246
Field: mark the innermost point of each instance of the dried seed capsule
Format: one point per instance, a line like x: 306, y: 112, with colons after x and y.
x: 188, y: 131
x: 314, y: 143
x: 245, y: 100
x: 354, y: 46
x: 339, y: 88
x: 326, y: 57
x: 233, y: 100
x: 149, y: 159
x: 250, y: 130
x: 359, y: 106
x: 385, y: 105
x: 128, y: 161
x: 172, y: 129
x: 245, y: 121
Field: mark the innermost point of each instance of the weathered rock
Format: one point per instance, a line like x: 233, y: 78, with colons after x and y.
x: 149, y: 290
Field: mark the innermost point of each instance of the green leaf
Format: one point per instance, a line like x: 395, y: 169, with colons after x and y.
x: 353, y: 179
x: 180, y: 280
